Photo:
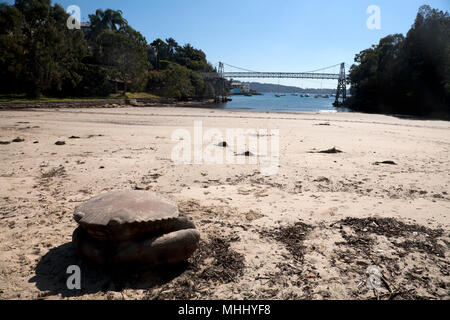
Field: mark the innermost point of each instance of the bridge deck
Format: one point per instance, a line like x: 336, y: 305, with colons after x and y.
x: 277, y: 75
x: 292, y: 75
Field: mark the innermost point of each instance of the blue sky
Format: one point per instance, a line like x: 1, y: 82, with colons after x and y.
x: 267, y: 35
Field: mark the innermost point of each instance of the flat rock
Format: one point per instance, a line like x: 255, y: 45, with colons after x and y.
x: 130, y: 214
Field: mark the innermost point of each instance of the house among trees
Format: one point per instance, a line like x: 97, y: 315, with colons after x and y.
x: 238, y: 87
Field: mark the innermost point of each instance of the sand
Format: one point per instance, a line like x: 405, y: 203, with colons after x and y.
x: 309, y: 231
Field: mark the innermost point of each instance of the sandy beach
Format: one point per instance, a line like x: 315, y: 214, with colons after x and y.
x: 309, y: 231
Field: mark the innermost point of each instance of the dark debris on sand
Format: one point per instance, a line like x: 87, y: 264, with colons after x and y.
x: 389, y: 227
x: 54, y: 172
x: 212, y: 264
x: 18, y: 140
x: 328, y: 151
x: 332, y: 150
x: 389, y: 162
x: 404, y: 272
x: 222, y: 144
x: 292, y: 237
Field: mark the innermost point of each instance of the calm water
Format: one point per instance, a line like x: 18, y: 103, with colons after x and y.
x: 288, y: 103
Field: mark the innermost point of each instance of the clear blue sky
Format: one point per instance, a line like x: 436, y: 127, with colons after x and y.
x: 267, y: 35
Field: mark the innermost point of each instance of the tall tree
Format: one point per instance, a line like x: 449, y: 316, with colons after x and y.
x: 160, y: 50
x: 407, y: 75
x: 105, y: 20
x: 42, y: 53
x: 126, y: 57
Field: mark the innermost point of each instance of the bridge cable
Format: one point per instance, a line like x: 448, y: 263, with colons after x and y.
x: 247, y: 70
x: 239, y: 68
x: 323, y: 68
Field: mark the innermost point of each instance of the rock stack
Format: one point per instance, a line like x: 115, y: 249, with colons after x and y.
x: 133, y: 227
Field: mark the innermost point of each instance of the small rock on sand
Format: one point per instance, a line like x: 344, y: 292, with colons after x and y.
x: 332, y: 150
x: 390, y: 162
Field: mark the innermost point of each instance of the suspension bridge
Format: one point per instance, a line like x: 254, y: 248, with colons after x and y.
x: 341, y: 91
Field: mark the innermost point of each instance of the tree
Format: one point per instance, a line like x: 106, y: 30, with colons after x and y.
x: 177, y: 82
x: 126, y: 57
x: 406, y: 75
x: 172, y: 48
x: 105, y: 20
x: 41, y: 54
x: 159, y: 50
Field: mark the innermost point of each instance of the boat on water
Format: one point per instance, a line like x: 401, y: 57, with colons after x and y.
x: 316, y: 96
x: 301, y: 96
x: 307, y: 95
x: 278, y: 95
x: 325, y: 96
x: 294, y: 94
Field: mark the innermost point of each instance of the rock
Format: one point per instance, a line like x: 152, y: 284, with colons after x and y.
x: 385, y: 162
x: 333, y: 150
x: 132, y: 102
x: 18, y: 140
x: 170, y: 248
x: 223, y: 144
x: 5, y: 142
x: 133, y: 227
x: 60, y: 143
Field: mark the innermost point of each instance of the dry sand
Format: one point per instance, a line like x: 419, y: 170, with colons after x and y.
x: 308, y: 232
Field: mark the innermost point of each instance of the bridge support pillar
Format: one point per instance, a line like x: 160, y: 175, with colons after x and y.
x: 341, y: 92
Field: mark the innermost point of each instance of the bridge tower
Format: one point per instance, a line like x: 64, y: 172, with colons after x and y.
x: 221, y: 69
x: 341, y: 92
x: 220, y: 72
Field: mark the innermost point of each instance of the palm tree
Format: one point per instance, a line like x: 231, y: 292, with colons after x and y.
x: 160, y: 48
x: 106, y: 20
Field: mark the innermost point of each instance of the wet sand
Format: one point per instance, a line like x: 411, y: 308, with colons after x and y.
x: 310, y: 231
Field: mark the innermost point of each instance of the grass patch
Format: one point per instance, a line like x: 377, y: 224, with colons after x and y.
x: 138, y: 95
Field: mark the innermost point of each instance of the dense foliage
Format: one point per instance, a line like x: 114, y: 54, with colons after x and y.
x: 176, y: 71
x: 39, y: 54
x: 406, y: 75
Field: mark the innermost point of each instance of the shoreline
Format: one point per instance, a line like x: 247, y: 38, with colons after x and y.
x: 208, y: 104
x: 103, y: 103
